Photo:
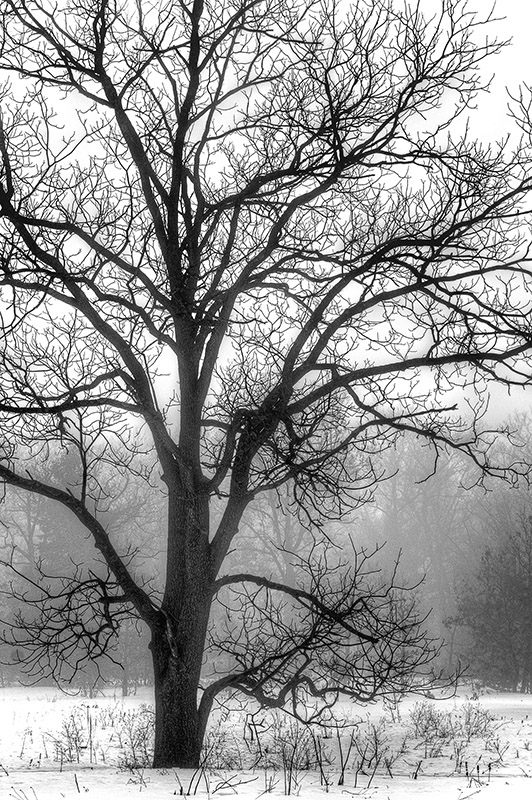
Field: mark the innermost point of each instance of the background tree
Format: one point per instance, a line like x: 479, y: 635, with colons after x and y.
x: 428, y: 512
x: 494, y: 583
x: 37, y: 548
x: 448, y: 529
x: 252, y: 229
x: 495, y: 608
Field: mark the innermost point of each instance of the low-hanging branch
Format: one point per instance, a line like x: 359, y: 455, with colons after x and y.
x: 305, y: 598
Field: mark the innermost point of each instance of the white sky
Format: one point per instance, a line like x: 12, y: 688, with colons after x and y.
x: 514, y: 65
x: 511, y: 68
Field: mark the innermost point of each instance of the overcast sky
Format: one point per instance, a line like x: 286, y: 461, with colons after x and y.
x: 517, y: 24
x: 514, y: 65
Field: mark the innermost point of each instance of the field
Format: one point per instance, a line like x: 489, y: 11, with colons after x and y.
x: 53, y: 746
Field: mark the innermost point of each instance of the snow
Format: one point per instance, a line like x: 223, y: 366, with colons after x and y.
x: 55, y: 747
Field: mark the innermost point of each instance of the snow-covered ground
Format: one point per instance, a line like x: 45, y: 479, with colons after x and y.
x: 53, y: 746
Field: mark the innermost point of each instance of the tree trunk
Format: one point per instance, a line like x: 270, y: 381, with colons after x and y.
x: 125, y: 675
x: 179, y: 730
x: 178, y: 640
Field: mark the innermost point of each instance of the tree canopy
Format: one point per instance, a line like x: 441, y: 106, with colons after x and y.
x: 258, y: 239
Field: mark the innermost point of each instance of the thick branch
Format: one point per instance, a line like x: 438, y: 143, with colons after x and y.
x: 137, y: 596
x: 307, y: 599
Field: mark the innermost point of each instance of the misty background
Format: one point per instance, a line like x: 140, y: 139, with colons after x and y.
x: 461, y: 539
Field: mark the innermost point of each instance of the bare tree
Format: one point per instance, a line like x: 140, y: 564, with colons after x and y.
x: 23, y: 511
x: 428, y: 518
x: 251, y: 228
x: 495, y: 604
x: 60, y: 612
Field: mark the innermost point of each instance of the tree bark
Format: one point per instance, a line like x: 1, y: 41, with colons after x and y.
x: 179, y: 730
x: 178, y: 640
